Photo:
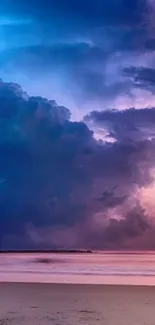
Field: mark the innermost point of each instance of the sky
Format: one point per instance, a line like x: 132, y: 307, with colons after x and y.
x: 77, y: 117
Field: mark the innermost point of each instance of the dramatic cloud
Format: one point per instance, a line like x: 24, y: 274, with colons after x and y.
x: 59, y: 185
x: 143, y: 77
x: 127, y: 125
x: 62, y: 188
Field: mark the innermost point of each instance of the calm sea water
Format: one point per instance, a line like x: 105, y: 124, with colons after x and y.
x: 105, y: 268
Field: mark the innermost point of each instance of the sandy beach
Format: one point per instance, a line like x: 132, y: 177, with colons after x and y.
x: 34, y: 304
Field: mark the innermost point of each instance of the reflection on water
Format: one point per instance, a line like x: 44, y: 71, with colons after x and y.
x: 121, y: 268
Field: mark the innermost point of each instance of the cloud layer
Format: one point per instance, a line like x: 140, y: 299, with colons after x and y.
x: 60, y: 187
x: 81, y: 50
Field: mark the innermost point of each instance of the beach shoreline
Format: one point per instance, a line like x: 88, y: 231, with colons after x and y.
x: 79, y: 279
x: 114, y: 269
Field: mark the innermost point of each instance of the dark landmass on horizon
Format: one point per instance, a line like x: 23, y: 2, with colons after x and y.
x: 75, y: 251
x: 57, y: 251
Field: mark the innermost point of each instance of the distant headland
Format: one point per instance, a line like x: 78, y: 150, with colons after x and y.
x: 46, y: 251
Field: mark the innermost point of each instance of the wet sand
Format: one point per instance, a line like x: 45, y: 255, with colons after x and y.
x: 58, y: 304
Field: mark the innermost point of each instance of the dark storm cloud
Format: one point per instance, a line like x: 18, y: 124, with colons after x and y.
x: 127, y: 125
x: 56, y: 179
x: 134, y: 225
x: 110, y: 200
x: 38, y: 139
x: 143, y: 77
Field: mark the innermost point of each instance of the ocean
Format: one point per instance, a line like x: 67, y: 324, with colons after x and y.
x: 133, y: 268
